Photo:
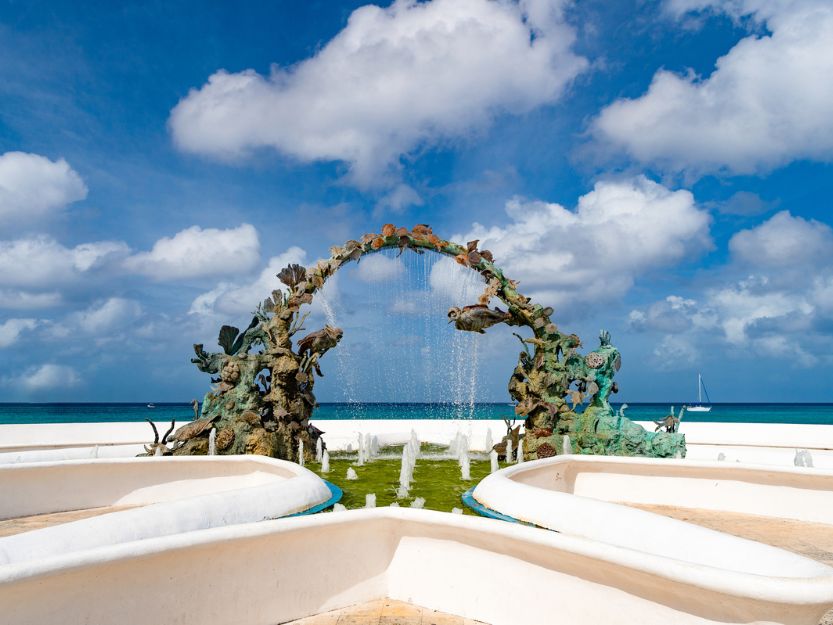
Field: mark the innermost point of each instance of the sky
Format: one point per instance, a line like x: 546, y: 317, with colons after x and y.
x: 660, y: 169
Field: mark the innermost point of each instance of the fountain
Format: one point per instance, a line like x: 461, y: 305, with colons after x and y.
x: 368, y: 448
x: 325, y: 462
x: 520, y: 451
x: 212, y: 442
x: 264, y: 398
x: 493, y: 461
x: 509, y: 456
x: 803, y: 458
x: 301, y: 452
x: 319, y: 449
x: 566, y: 446
x: 465, y: 467
x: 489, y: 442
x: 406, y: 472
x: 360, y: 460
x: 370, y: 500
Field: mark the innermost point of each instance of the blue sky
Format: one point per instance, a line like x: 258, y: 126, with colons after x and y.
x: 661, y: 169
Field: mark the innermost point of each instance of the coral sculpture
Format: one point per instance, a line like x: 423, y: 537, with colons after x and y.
x: 262, y: 400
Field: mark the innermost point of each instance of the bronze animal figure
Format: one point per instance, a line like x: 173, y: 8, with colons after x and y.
x: 477, y: 318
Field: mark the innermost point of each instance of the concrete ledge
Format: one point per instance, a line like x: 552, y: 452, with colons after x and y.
x: 277, y: 571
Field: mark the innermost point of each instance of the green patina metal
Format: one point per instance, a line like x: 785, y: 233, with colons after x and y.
x: 263, y: 400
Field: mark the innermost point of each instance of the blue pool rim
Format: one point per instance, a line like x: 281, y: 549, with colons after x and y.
x: 335, y: 496
x: 479, y: 508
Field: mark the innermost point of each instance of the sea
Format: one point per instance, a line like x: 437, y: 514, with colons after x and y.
x: 103, y: 413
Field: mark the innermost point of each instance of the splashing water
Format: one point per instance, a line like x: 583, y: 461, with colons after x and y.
x: 212, y: 442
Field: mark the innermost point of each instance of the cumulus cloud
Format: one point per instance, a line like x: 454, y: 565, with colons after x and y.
x: 229, y: 298
x: 619, y: 231
x: 675, y: 353
x: 781, y: 306
x: 766, y: 103
x: 12, y: 329
x: 782, y: 241
x: 16, y: 299
x: 34, y: 188
x: 378, y: 268
x: 397, y: 200
x: 40, y: 261
x: 196, y: 252
x: 393, y: 80
x: 107, y: 315
x: 43, y: 378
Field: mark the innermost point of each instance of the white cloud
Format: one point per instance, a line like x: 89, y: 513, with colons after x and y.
x: 783, y: 306
x: 766, y: 103
x: 782, y: 241
x: 196, y: 252
x: 229, y: 298
x: 392, y: 80
x: 397, y: 200
x: 620, y: 230
x: 43, y: 378
x: 11, y: 330
x: 40, y: 261
x: 675, y: 353
x: 16, y: 299
x: 105, y: 316
x: 378, y: 268
x: 33, y: 188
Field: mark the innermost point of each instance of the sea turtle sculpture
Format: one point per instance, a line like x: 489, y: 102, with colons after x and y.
x: 262, y: 400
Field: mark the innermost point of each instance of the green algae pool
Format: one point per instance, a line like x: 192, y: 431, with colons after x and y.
x: 436, y: 479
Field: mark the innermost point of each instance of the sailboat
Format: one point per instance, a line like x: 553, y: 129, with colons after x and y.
x: 699, y: 406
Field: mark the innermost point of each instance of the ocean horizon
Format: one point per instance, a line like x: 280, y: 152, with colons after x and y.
x: 110, y: 412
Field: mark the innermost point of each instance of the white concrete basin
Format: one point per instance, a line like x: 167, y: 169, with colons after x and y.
x: 566, y: 494
x: 498, y: 573
x: 780, y: 492
x: 177, y: 494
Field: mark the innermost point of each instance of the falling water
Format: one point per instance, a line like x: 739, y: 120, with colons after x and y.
x: 566, y: 446
x: 493, y: 460
x: 370, y: 500
x: 403, y: 349
x: 509, y: 456
x: 344, y: 360
x: 520, y: 450
x: 489, y: 443
x: 301, y: 452
x: 319, y: 449
x: 325, y: 462
x: 368, y: 447
x: 212, y: 442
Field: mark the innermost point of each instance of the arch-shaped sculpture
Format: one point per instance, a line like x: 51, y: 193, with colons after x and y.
x: 263, y: 399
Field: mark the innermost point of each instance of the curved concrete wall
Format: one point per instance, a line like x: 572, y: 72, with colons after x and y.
x: 185, y: 494
x: 541, y: 493
x: 789, y: 493
x: 78, y: 484
x: 499, y: 573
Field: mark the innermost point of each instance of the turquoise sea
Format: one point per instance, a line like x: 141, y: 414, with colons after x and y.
x: 99, y: 413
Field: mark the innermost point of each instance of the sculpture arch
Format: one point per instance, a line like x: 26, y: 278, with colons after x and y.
x: 263, y: 401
